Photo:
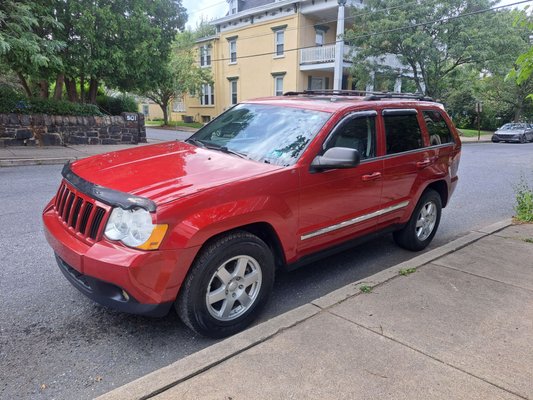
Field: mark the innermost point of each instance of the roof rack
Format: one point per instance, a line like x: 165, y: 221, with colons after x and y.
x: 370, y: 96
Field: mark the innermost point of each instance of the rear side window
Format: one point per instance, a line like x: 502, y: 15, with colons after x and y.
x: 402, y: 131
x: 438, y: 130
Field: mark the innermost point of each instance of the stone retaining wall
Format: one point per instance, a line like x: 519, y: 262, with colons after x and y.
x: 40, y: 129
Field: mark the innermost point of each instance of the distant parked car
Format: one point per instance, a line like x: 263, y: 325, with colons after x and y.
x: 514, y: 132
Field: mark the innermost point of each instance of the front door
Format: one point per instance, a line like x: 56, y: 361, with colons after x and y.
x: 339, y: 204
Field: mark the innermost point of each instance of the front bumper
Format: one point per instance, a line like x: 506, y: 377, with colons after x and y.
x: 506, y: 138
x: 110, y: 295
x: 102, y: 270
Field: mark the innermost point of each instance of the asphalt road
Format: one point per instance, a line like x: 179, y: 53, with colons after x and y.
x: 55, y: 343
x: 157, y: 135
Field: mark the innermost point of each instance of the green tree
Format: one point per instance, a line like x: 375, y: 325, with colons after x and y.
x: 80, y: 44
x: 179, y: 75
x: 26, y: 46
x: 118, y: 42
x: 523, y: 67
x: 429, y: 38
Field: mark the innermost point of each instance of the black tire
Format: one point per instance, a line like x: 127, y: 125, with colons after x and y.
x: 415, y: 238
x: 217, y: 261
x: 523, y: 138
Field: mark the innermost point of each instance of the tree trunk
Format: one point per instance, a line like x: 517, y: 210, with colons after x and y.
x: 93, y: 90
x: 82, y: 89
x: 71, y: 90
x: 58, y: 93
x: 164, y: 107
x: 24, y: 84
x: 44, y: 89
x: 517, y: 113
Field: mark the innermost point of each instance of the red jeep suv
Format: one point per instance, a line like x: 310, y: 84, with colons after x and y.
x: 274, y: 182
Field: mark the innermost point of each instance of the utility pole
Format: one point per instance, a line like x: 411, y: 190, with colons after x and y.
x: 339, y: 47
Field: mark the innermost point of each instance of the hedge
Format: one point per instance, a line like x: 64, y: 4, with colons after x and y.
x: 13, y: 102
x: 116, y: 105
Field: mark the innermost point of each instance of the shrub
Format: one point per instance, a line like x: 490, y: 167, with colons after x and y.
x: 12, y: 101
x: 524, y: 201
x: 116, y: 105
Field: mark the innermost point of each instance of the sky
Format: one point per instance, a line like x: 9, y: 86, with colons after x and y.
x: 210, y: 9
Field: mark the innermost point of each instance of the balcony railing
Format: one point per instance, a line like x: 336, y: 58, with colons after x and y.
x: 322, y: 54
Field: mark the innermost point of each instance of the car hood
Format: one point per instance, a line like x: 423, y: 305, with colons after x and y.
x: 166, y: 171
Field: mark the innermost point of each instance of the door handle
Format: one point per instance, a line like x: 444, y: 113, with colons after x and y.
x: 372, y: 177
x: 426, y: 162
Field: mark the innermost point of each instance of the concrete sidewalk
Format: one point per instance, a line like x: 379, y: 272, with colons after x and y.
x: 459, y: 327
x: 34, y: 155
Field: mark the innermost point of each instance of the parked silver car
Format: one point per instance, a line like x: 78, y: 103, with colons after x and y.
x: 514, y: 132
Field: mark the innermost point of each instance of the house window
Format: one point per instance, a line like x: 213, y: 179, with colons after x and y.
x: 278, y: 86
x: 208, y: 95
x: 205, y: 56
x: 146, y: 110
x: 280, y: 42
x: 319, y: 38
x: 178, y: 105
x: 233, y: 51
x: 233, y: 91
x: 233, y: 7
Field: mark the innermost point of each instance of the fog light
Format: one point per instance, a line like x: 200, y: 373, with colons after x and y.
x: 125, y: 295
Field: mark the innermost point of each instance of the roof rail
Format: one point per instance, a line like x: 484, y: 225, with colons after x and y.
x: 361, y: 93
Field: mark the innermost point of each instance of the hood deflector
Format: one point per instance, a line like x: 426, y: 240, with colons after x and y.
x: 105, y: 195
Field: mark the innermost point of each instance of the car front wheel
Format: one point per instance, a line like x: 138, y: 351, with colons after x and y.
x: 227, y: 285
x: 423, y: 224
x: 523, y: 138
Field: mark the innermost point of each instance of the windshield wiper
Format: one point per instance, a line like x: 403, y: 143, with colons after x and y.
x: 224, y: 149
x: 196, y: 142
x: 213, y: 146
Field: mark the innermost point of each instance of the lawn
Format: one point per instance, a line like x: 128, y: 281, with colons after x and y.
x: 159, y: 122
x: 473, y: 132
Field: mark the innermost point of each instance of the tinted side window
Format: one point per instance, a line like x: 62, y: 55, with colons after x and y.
x: 357, y: 133
x: 403, y: 133
x: 439, y: 133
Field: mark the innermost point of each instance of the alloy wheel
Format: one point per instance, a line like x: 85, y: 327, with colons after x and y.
x: 233, y: 288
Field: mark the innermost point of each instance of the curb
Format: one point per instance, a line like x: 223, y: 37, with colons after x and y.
x: 167, y: 377
x: 19, y: 162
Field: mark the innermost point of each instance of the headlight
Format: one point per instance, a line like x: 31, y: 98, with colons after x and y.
x: 134, y: 228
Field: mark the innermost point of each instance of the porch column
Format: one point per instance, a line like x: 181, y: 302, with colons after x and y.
x: 370, y: 84
x: 339, y: 47
x: 398, y: 84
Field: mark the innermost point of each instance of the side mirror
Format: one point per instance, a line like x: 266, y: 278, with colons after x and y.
x: 336, y: 157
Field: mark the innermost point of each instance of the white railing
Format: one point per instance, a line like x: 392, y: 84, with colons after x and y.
x: 322, y: 54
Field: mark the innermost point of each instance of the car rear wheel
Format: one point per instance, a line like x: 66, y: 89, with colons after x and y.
x: 423, y: 224
x: 227, y: 285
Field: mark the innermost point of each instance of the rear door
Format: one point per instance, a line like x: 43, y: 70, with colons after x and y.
x: 405, y: 163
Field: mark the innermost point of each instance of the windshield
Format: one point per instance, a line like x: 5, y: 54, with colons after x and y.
x: 513, y: 127
x: 264, y: 133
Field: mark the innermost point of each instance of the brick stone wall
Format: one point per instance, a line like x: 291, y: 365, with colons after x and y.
x: 40, y: 129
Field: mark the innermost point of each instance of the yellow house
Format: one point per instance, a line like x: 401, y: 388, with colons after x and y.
x: 266, y: 48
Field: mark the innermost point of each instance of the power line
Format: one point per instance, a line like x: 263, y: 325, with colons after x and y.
x: 330, y: 21
x: 206, y: 8
x: 436, y: 21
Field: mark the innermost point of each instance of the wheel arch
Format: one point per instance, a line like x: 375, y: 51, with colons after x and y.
x: 264, y: 231
x: 441, y: 187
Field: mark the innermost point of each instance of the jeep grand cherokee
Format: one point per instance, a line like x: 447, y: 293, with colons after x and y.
x: 201, y: 225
